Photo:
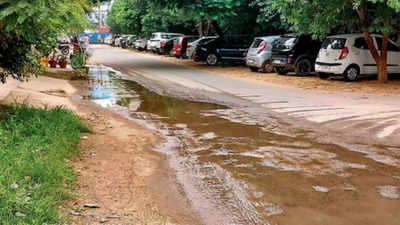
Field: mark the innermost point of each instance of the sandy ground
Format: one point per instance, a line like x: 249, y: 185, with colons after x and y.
x: 117, y: 170
x: 334, y: 85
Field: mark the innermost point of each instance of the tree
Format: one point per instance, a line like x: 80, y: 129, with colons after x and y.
x: 29, y: 29
x: 143, y: 17
x: 324, y: 17
x: 217, y: 13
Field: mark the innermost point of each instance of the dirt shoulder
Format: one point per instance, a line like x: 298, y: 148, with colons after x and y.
x: 364, y: 86
x: 118, y: 173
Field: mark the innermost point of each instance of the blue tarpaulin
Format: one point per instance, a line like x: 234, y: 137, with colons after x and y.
x: 96, y: 37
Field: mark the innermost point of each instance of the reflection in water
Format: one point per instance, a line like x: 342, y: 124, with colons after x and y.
x: 251, y: 173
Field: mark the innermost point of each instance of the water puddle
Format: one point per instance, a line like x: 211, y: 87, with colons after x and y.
x: 235, y: 171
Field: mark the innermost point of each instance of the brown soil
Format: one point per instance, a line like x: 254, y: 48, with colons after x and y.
x: 364, y: 86
x: 119, y: 172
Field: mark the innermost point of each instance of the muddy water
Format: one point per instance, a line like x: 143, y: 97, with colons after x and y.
x: 235, y: 171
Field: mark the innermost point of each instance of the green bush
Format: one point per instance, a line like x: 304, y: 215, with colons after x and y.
x: 34, y: 176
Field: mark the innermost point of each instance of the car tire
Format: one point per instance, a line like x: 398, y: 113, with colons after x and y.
x: 253, y: 69
x: 352, y: 73
x: 267, y: 68
x: 304, y: 67
x: 281, y: 70
x: 212, y: 59
x: 323, y: 76
x: 65, y: 51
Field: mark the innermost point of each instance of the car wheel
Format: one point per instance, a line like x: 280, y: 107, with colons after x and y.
x: 352, y: 73
x: 212, y: 60
x: 65, y: 51
x: 323, y: 75
x: 303, y: 67
x: 267, y: 68
x: 253, y: 69
x: 281, y: 70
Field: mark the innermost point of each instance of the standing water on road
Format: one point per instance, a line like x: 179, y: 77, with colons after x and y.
x: 235, y: 171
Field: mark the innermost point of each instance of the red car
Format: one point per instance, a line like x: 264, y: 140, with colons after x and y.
x: 181, y: 45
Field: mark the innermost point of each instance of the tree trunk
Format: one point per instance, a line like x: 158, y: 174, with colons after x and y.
x: 380, y: 59
x: 201, y: 27
x: 100, y: 14
x: 217, y: 28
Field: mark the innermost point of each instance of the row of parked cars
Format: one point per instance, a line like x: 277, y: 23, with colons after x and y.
x: 344, y: 55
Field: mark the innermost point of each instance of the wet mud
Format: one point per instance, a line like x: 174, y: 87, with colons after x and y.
x: 234, y: 170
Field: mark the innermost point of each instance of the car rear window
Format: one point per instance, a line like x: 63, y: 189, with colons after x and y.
x: 169, y: 36
x: 334, y: 43
x: 256, y: 43
x: 285, y: 42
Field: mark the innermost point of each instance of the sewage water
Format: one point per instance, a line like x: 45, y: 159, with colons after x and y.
x: 235, y: 171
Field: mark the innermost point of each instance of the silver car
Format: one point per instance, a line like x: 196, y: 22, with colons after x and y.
x: 141, y: 44
x: 192, y: 45
x: 259, y: 54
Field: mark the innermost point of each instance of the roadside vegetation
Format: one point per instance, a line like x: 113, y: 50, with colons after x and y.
x: 35, y: 177
x: 29, y: 31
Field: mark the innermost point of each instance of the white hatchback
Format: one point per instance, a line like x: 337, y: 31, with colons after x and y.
x: 349, y: 55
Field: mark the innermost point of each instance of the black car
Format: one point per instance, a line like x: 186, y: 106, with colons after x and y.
x: 228, y: 49
x: 295, y: 52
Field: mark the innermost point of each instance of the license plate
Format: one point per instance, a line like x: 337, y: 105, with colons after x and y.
x: 324, y: 68
x: 276, y: 61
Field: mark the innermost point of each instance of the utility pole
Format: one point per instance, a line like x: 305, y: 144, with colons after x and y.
x: 100, y: 14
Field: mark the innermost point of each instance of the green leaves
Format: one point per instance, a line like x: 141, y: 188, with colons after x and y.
x: 323, y: 17
x: 27, y: 25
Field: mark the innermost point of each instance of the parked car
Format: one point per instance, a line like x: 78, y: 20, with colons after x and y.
x: 192, y: 45
x: 108, y: 40
x: 127, y: 41
x: 181, y: 45
x: 117, y: 40
x: 259, y: 54
x: 295, y: 52
x: 166, y: 46
x: 155, y: 42
x: 148, y: 45
x: 349, y: 55
x: 228, y: 49
x: 141, y: 44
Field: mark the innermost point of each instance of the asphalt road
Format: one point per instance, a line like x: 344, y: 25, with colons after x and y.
x: 276, y: 155
x: 352, y: 118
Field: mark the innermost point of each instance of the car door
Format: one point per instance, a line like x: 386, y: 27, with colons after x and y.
x: 364, y: 57
x: 393, y: 58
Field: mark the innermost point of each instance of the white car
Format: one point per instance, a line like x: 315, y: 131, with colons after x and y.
x: 154, y: 43
x: 349, y: 55
x: 108, y: 40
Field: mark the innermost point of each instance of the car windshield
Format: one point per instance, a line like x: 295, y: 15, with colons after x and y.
x: 334, y: 43
x: 205, y: 40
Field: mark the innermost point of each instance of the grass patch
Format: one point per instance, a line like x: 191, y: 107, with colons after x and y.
x: 34, y: 174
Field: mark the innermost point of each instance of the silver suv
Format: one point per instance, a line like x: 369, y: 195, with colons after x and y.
x: 158, y: 39
x: 259, y: 54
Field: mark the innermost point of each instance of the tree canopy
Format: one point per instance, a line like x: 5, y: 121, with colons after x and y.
x: 324, y: 17
x: 145, y: 17
x: 29, y: 29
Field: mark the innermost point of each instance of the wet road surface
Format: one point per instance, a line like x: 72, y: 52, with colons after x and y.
x: 237, y: 169
x: 356, y: 116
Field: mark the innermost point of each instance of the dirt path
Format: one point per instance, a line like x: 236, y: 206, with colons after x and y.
x: 119, y: 172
